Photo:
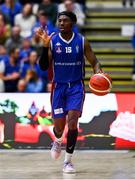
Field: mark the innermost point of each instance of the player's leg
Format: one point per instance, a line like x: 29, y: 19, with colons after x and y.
x: 59, y: 117
x: 72, y: 134
x: 59, y: 125
x: 74, y: 106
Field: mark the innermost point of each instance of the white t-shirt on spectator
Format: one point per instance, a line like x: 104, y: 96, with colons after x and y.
x: 25, y: 23
x: 77, y: 10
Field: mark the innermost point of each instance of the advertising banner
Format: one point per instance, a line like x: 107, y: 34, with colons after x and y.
x: 107, y: 122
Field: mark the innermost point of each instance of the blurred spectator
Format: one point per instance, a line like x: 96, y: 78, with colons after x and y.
x: 5, y: 29
x: 1, y: 1
x: 23, y: 2
x: 49, y: 87
x: 2, y: 69
x: 17, y: 55
x: 15, y: 41
x: 43, y: 21
x: 11, y: 74
x: 25, y: 20
x: 50, y: 9
x: 3, y: 53
x: 34, y: 83
x: 21, y: 86
x: 25, y: 49
x: 3, y: 58
x: 125, y: 2
x: 81, y: 2
x: 5, y: 17
x: 32, y: 64
x: 70, y: 5
x: 11, y: 8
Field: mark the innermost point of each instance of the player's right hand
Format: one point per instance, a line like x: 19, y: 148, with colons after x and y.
x: 43, y: 35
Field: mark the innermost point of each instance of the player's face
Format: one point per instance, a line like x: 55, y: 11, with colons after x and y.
x: 65, y: 24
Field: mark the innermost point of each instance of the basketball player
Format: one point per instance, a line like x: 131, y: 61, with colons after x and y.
x: 66, y: 50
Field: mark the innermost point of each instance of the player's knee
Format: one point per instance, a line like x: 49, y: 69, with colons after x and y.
x: 72, y: 122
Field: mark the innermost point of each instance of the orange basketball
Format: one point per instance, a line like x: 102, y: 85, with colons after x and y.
x: 100, y: 84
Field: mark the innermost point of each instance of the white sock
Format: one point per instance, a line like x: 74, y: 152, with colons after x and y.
x: 68, y: 157
x: 59, y: 140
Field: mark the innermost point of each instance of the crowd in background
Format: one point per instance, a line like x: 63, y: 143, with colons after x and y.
x: 20, y: 47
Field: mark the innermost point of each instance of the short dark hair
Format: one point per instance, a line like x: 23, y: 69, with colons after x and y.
x: 71, y: 15
x: 42, y: 13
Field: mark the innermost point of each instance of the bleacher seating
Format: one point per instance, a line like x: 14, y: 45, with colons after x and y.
x: 103, y: 30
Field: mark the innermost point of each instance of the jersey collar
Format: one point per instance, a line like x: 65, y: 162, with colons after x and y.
x: 66, y: 40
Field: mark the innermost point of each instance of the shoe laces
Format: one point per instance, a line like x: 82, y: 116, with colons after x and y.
x: 69, y: 164
x: 56, y: 147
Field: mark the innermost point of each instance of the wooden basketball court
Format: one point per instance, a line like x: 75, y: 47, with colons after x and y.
x: 37, y: 164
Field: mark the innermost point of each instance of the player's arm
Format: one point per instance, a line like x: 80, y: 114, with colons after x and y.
x: 45, y: 56
x: 90, y: 56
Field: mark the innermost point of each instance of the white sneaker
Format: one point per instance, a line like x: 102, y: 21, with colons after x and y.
x: 68, y: 167
x: 56, y: 150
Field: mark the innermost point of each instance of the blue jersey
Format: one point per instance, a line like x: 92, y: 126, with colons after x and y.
x: 68, y: 58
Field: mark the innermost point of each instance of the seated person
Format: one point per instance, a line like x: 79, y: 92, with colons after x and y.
x: 15, y: 41
x: 5, y: 29
x: 32, y: 64
x: 25, y: 20
x: 50, y: 8
x: 34, y: 83
x: 25, y: 50
x: 71, y: 6
x: 11, y: 8
x: 42, y: 21
x: 11, y: 74
x: 21, y: 86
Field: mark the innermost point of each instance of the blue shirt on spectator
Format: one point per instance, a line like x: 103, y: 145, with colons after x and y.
x: 35, y: 86
x: 24, y: 53
x: 50, y: 27
x: 11, y: 12
x: 4, y: 57
x: 43, y: 75
x: 11, y: 85
x: 27, y: 66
